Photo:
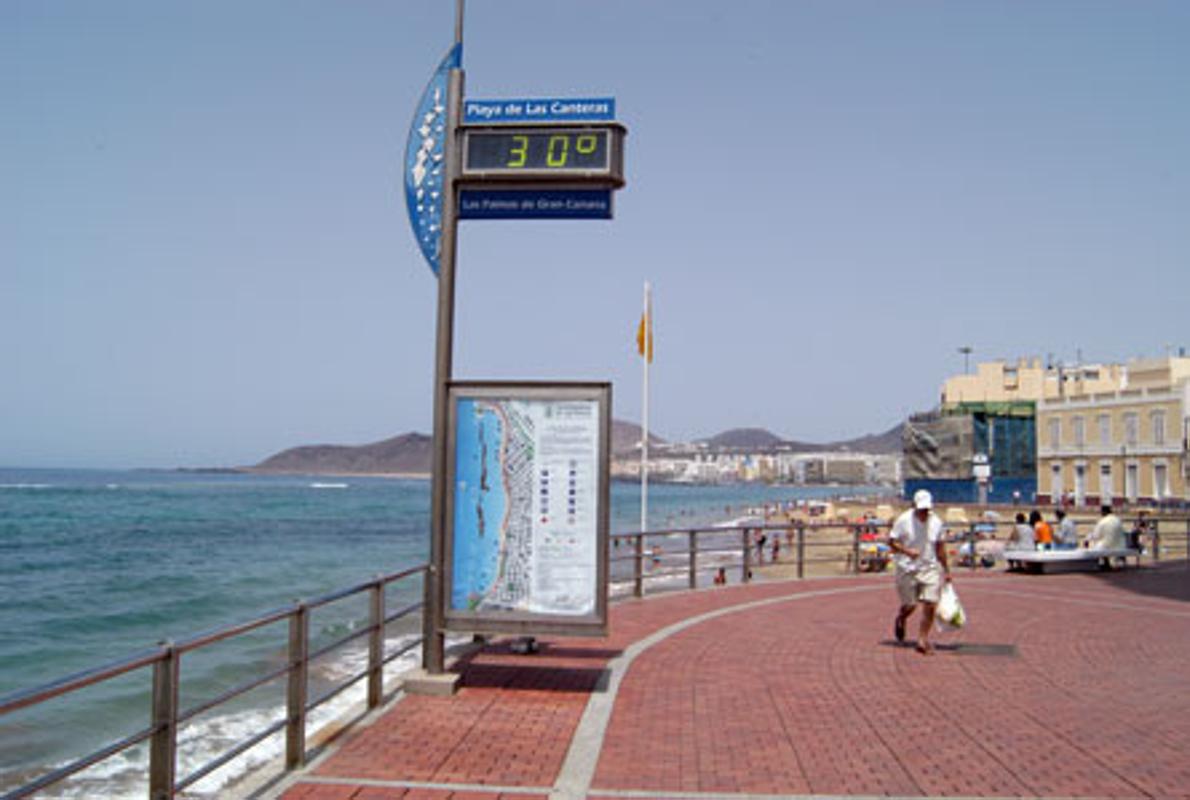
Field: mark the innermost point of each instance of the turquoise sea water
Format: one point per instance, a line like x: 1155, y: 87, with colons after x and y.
x: 97, y: 565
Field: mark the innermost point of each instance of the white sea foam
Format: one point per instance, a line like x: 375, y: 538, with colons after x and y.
x: 318, y: 485
x: 125, y: 776
x: 26, y: 486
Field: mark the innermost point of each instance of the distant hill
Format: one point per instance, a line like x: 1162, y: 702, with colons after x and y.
x: 411, y: 453
x: 408, y: 454
x: 626, y: 438
x: 745, y: 439
x: 888, y: 442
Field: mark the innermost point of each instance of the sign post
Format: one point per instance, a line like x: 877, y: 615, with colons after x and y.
x: 549, y: 158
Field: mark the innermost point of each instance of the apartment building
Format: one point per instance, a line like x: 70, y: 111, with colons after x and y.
x: 1027, y: 379
x: 1128, y: 444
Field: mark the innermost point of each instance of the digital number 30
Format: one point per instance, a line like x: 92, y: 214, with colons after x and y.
x: 557, y: 151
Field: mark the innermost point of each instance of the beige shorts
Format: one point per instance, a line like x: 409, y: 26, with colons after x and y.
x: 924, y: 585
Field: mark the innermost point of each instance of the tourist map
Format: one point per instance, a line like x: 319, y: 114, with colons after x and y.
x: 525, y: 527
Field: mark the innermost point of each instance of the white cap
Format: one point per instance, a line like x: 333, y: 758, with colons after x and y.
x: 922, y: 500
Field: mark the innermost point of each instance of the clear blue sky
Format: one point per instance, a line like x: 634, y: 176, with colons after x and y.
x: 205, y: 258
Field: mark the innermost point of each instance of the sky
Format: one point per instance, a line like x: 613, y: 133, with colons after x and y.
x: 205, y: 256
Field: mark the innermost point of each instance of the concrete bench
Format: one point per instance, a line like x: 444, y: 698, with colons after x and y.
x: 1038, y: 561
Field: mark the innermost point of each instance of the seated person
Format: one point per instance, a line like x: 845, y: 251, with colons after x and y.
x: 1108, y: 533
x: 1021, y: 538
x: 1042, y: 531
x: 1066, y: 537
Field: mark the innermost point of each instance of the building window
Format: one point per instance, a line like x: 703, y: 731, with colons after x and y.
x: 1055, y: 432
x: 1160, y: 481
x: 1056, y: 482
x: 1105, y: 429
x: 1157, y: 420
x: 1131, y: 482
x: 1131, y: 429
x: 1077, y: 430
x: 1105, y: 482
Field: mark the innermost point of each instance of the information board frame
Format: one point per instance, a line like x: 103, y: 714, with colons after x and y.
x: 524, y: 622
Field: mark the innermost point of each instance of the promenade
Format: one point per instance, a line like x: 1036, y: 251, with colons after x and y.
x: 1071, y: 685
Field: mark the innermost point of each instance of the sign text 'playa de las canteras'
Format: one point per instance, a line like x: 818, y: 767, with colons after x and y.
x: 520, y: 494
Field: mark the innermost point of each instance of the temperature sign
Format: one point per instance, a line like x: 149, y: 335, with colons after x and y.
x: 544, y: 153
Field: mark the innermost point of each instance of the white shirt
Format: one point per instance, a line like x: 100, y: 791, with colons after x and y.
x: 1108, y: 533
x: 914, y: 534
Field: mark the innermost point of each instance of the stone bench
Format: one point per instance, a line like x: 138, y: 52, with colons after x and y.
x: 1038, y: 561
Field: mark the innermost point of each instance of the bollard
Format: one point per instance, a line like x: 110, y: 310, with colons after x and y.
x: 295, y: 728
x: 163, y: 746
x: 693, y: 560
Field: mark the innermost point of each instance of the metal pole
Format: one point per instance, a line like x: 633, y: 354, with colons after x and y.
x: 801, y: 550
x: 163, y: 747
x: 747, y: 541
x: 1156, y: 540
x: 855, y: 548
x: 433, y: 638
x: 295, y: 728
x: 647, y: 332
x: 693, y: 560
x: 376, y: 646
x: 638, y: 570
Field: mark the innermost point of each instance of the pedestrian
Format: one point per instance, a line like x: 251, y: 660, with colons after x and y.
x: 920, y: 557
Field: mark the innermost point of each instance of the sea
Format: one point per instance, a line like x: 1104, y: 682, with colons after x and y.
x: 96, y: 566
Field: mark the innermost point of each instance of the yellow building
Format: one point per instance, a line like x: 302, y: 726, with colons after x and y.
x: 1124, y: 445
x: 1028, y: 380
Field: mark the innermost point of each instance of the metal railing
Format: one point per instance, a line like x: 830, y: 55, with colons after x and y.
x: 167, y: 718
x: 645, y: 558
x: 656, y: 558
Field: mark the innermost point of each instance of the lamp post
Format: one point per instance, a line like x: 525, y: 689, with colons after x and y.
x: 966, y: 351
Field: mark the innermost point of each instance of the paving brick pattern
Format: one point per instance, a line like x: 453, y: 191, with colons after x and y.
x: 1065, y: 685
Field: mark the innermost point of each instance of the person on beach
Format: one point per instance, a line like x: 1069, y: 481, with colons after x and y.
x: 920, y: 557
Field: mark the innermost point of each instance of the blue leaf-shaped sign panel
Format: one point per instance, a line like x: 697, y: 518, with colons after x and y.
x: 425, y: 164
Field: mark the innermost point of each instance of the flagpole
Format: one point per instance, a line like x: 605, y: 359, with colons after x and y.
x: 644, y: 441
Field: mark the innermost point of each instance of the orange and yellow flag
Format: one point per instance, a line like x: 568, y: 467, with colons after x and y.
x: 644, y: 334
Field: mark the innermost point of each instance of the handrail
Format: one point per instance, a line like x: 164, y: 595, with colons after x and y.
x: 167, y: 719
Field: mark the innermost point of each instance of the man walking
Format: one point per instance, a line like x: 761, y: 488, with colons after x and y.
x: 920, y: 557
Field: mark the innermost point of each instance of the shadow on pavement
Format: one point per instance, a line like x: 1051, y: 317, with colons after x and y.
x: 1169, y: 580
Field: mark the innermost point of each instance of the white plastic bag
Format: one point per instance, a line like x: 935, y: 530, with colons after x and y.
x: 950, y: 614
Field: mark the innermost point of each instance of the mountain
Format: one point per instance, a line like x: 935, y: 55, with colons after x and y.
x: 888, y: 442
x: 746, y: 439
x: 412, y: 453
x: 408, y: 454
x: 626, y: 438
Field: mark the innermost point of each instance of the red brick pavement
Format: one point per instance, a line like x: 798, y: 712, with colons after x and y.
x: 1065, y: 685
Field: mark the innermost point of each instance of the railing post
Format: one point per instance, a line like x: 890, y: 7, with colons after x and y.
x: 163, y: 746
x: 855, y: 549
x: 1156, y: 540
x: 801, y: 549
x: 376, y: 645
x: 638, y: 573
x: 693, y: 560
x: 295, y: 730
x: 747, y: 562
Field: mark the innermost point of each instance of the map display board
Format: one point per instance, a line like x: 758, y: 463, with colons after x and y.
x: 527, y: 508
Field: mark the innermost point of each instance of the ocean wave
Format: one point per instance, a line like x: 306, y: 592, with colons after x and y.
x: 318, y: 485
x: 26, y: 486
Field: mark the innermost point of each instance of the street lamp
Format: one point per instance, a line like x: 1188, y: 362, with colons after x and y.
x: 966, y: 351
